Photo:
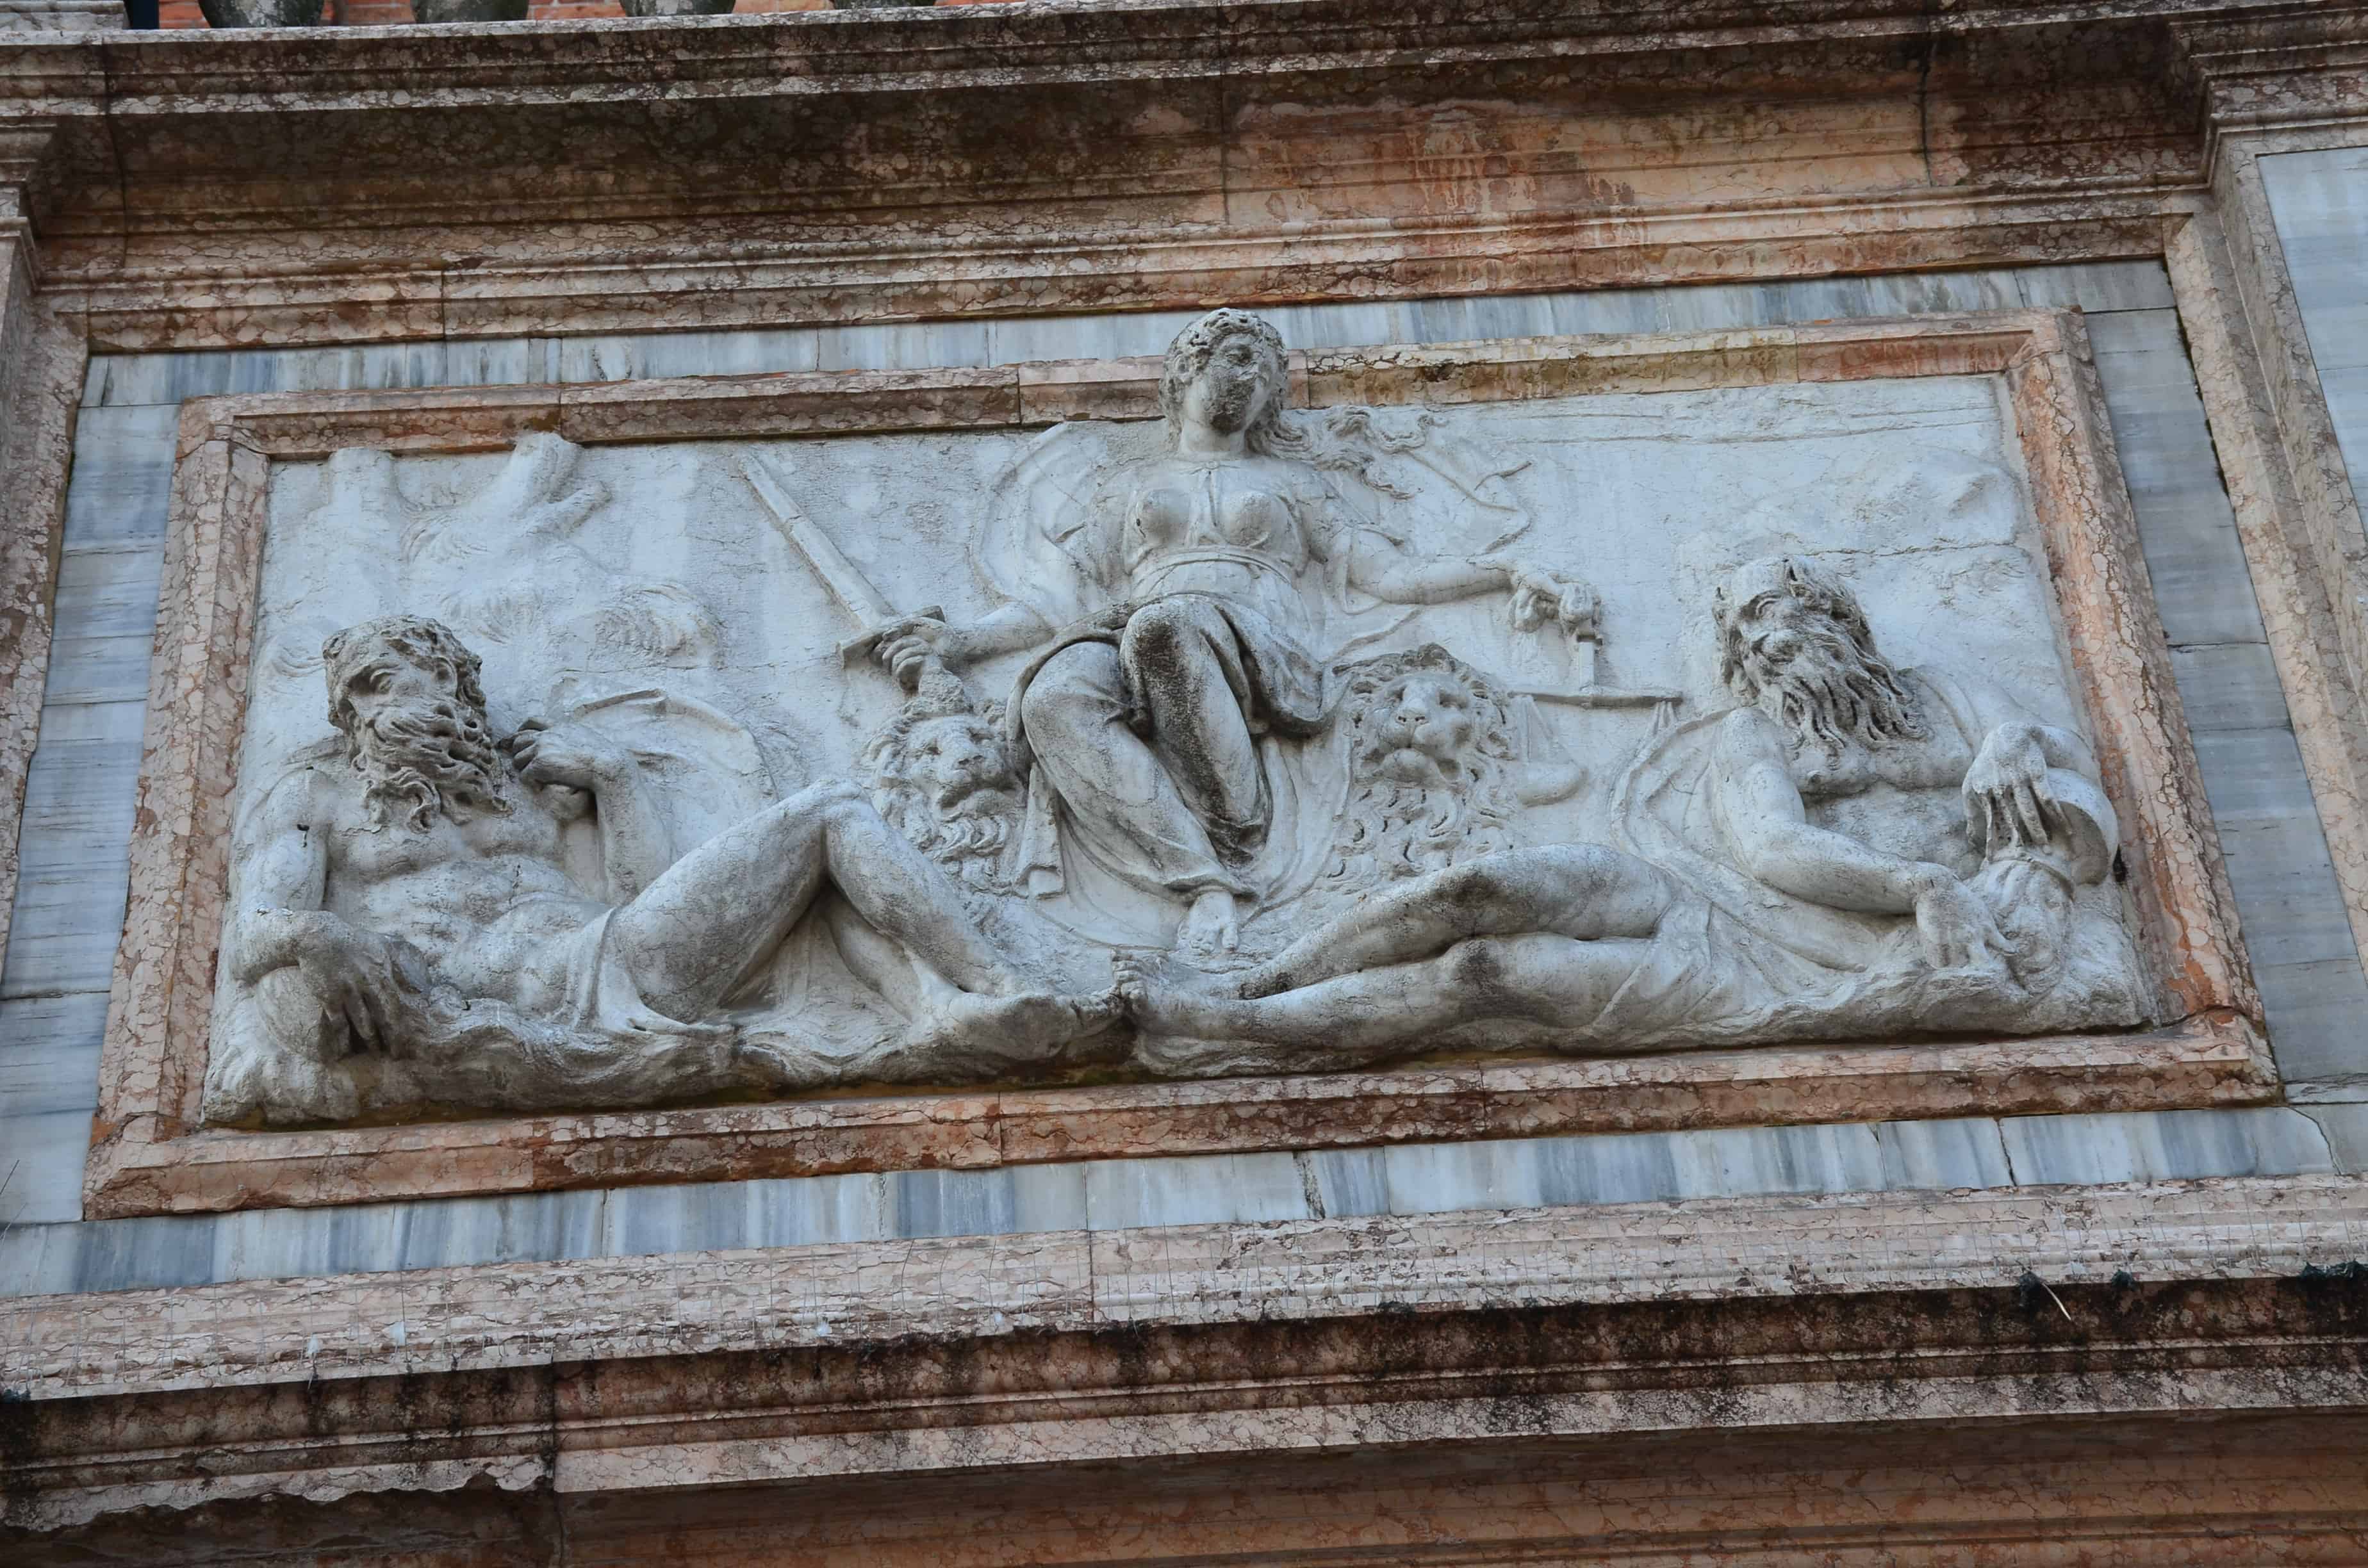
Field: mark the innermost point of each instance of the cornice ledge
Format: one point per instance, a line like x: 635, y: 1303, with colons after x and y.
x: 491, y: 1316
x: 2290, y: 63
x: 990, y: 48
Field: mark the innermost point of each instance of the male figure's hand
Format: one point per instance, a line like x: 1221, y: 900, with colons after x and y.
x: 359, y: 977
x: 1954, y: 924
x: 2006, y: 789
x: 574, y: 756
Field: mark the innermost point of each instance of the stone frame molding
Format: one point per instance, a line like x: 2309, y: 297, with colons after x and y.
x: 682, y: 1374
x: 150, y: 1156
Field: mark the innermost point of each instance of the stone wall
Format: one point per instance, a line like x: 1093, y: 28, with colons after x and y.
x: 2085, y: 1297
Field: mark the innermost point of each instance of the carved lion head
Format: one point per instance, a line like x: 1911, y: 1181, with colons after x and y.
x: 946, y: 782
x: 1430, y: 745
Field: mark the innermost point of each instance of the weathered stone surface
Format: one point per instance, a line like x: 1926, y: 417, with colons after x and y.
x: 263, y: 13
x: 1319, y: 1339
x: 59, y: 15
x: 2168, y: 856
x: 1582, y: 150
x: 442, y: 11
x: 1209, y: 749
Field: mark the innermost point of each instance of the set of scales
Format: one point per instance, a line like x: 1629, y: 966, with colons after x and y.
x: 1571, y: 684
x: 1557, y: 671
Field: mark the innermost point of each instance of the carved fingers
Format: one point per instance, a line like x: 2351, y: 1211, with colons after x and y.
x: 1541, y: 598
x: 353, y: 975
x: 2005, y: 791
x: 907, y: 646
x: 1956, y: 927
x: 574, y: 758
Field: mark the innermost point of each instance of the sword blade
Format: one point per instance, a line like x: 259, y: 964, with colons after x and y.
x: 847, y: 583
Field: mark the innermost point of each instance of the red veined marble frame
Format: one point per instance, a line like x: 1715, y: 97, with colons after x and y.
x: 150, y: 1155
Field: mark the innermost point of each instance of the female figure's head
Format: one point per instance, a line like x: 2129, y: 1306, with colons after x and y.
x: 1226, y: 375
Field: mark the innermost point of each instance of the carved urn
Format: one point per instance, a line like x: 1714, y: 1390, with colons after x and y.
x: 261, y: 13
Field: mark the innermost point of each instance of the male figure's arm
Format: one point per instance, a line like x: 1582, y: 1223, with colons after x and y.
x: 635, y: 845
x: 277, y: 919
x: 1778, y: 844
x: 282, y: 860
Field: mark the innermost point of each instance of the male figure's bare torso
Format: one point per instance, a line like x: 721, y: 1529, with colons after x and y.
x: 481, y: 893
x: 1903, y: 799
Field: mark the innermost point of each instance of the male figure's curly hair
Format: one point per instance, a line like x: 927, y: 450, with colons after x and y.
x: 420, y: 640
x: 430, y: 756
x: 1845, y: 689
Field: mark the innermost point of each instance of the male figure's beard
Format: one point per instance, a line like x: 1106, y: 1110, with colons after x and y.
x: 427, y: 760
x: 1832, y: 692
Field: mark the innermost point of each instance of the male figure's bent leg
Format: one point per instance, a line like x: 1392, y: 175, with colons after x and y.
x: 694, y: 935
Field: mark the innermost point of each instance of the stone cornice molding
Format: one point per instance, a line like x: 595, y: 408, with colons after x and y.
x: 803, y: 54
x: 737, y: 171
x: 28, y: 169
x: 665, y: 1373
x: 2291, y: 67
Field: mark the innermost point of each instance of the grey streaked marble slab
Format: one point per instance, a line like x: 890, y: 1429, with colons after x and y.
x: 70, y: 906
x: 2086, y: 1151
x: 2318, y: 202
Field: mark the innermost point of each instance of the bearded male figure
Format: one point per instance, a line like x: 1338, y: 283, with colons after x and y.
x: 410, y: 919
x: 1855, y: 848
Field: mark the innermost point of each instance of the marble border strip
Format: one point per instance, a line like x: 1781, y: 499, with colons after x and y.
x: 150, y: 1157
x: 696, y: 1369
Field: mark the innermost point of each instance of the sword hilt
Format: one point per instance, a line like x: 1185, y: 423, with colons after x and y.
x: 929, y: 677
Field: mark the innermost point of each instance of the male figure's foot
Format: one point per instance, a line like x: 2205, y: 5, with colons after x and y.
x: 1157, y: 1006
x: 967, y: 1035
x: 1212, y: 927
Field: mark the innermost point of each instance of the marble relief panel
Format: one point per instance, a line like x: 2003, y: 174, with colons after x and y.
x: 1263, y: 729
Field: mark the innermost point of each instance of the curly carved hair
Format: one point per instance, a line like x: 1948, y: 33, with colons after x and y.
x: 428, y: 644
x: 1189, y: 354
x: 969, y: 842
x: 1847, y: 689
x: 1399, y: 827
x: 1344, y: 440
x: 424, y: 757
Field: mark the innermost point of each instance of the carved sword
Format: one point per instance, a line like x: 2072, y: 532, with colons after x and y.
x: 865, y: 603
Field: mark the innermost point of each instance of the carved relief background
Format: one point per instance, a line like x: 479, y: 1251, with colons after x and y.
x: 1473, y: 651
x: 787, y: 774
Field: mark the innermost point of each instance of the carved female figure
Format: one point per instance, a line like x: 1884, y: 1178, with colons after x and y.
x: 1200, y: 571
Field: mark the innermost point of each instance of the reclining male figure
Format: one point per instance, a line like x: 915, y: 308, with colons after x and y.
x: 430, y: 854
x: 1839, y: 780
